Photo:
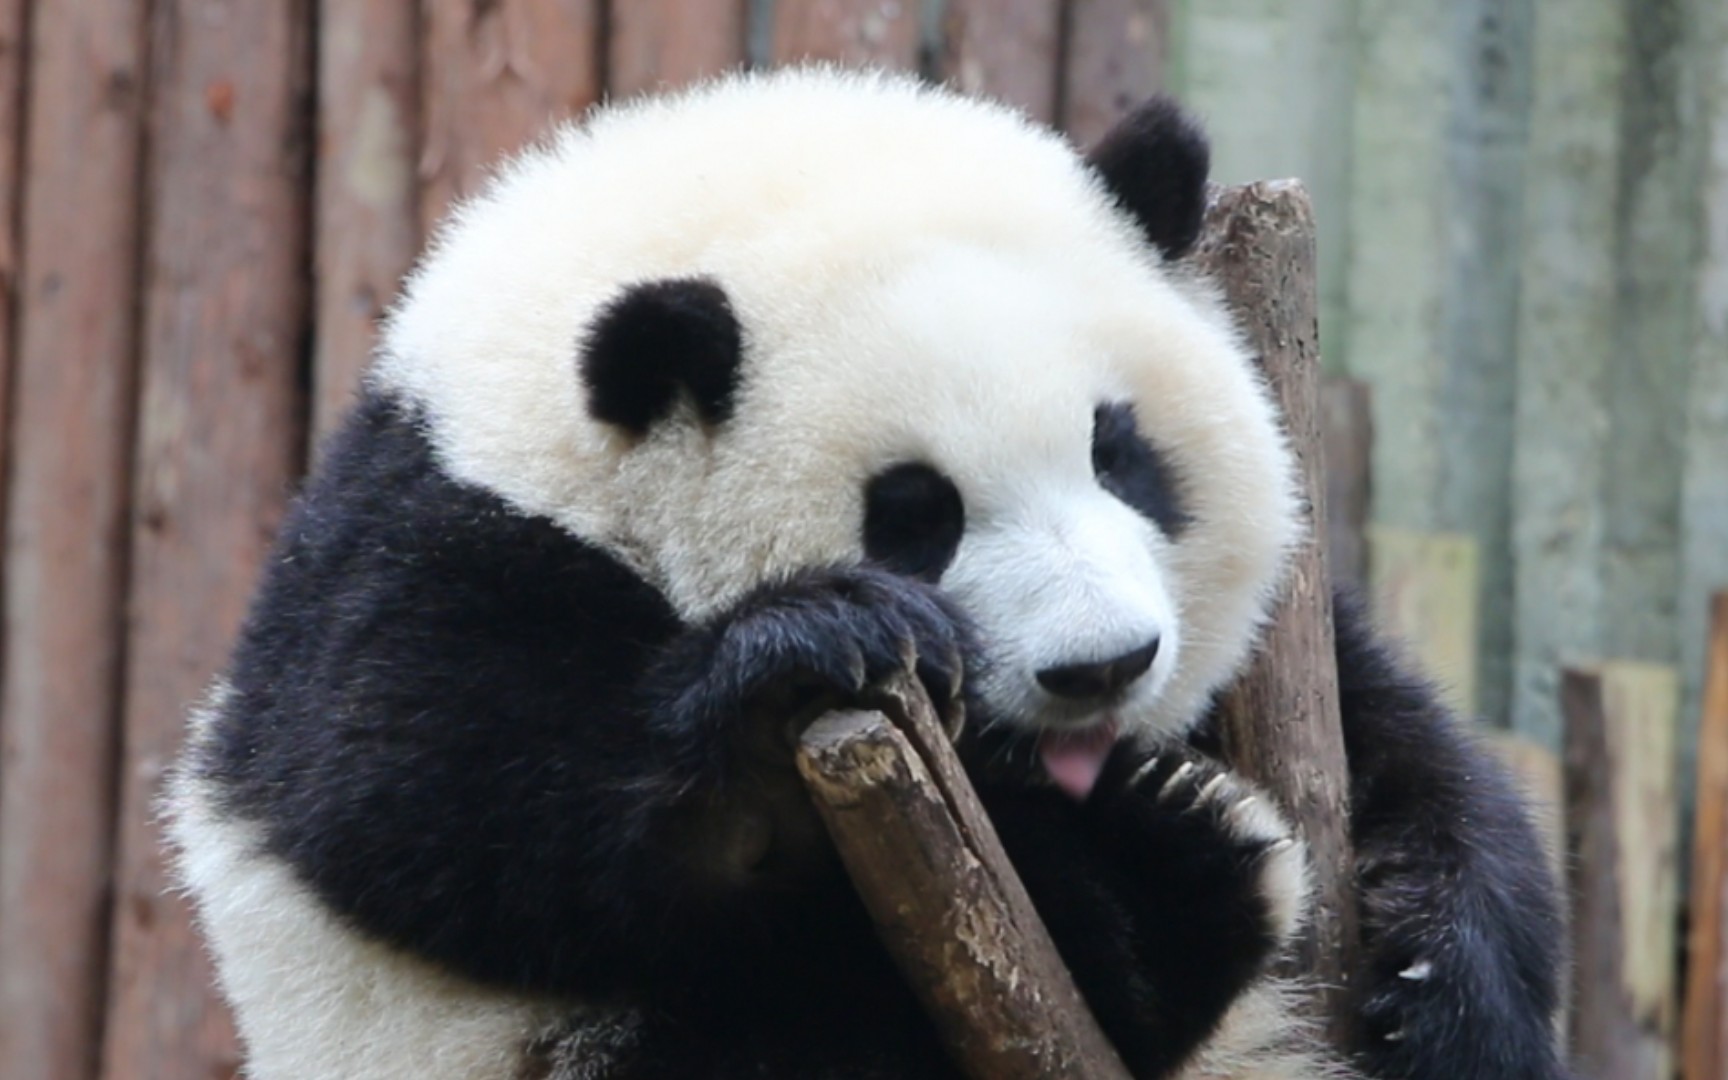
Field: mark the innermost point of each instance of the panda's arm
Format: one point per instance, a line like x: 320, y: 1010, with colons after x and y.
x: 1462, y: 932
x: 476, y: 736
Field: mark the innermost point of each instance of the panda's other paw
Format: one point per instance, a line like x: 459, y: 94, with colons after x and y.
x: 1187, y: 803
x: 824, y: 639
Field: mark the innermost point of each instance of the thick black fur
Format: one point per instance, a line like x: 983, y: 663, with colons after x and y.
x: 657, y: 338
x: 1155, y: 161
x: 483, y: 740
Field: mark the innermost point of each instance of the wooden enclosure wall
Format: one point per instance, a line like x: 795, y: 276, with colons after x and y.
x: 206, y: 204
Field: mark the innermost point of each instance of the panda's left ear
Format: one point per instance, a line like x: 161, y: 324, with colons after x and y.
x: 1155, y: 162
x: 655, y: 340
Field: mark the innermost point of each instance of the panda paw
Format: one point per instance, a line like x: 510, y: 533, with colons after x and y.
x: 1194, y: 812
x: 790, y: 651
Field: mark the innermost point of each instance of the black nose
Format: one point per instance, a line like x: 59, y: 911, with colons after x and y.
x: 1082, y: 682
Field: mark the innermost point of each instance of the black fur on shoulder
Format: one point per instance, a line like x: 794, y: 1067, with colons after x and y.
x: 656, y: 338
x: 1155, y: 161
x: 1462, y: 934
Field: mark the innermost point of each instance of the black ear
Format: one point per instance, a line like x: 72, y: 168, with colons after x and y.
x: 657, y: 338
x: 1155, y: 162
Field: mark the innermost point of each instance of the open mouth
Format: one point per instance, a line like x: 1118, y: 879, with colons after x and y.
x: 1075, y: 757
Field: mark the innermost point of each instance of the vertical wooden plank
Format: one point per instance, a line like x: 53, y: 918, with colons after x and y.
x: 219, y: 441
x: 1117, y: 53
x: 1622, y: 840
x: 366, y: 217
x: 1007, y: 50
x: 1425, y: 592
x: 1543, y: 779
x: 496, y: 75
x: 882, y: 33
x: 653, y: 44
x: 65, y: 532
x: 1566, y: 334
x: 1347, y: 446
x: 13, y: 60
x: 1704, y: 1032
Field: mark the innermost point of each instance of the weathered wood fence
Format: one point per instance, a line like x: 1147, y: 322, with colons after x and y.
x: 204, y: 204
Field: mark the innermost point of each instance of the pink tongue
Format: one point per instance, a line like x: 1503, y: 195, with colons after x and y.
x: 1074, y: 759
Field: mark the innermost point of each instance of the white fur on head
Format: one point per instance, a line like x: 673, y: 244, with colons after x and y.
x: 919, y: 276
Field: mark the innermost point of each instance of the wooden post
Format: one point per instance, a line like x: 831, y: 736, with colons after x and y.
x: 1117, y: 54
x: 495, y: 75
x: 366, y: 214
x: 656, y: 44
x: 65, y: 538
x: 883, y: 33
x: 1007, y: 50
x: 1281, y: 725
x: 1704, y: 1038
x: 1621, y: 828
x: 1347, y: 443
x: 219, y: 443
x: 944, y: 897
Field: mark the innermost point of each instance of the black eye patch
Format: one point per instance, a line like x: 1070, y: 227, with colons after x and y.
x: 913, y: 518
x: 1128, y: 467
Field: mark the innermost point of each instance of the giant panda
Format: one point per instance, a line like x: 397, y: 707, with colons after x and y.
x: 720, y: 409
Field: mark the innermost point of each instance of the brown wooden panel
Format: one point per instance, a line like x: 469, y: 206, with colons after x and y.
x: 1117, y: 52
x: 880, y: 32
x: 663, y: 43
x: 13, y: 59
x: 65, y: 540
x: 1005, y: 49
x: 1704, y: 1046
x: 367, y: 215
x: 495, y: 75
x: 219, y: 441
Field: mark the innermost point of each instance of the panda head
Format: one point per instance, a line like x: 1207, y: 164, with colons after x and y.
x: 815, y: 318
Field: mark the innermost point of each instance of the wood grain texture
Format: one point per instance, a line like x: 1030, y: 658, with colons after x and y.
x: 946, y: 901
x: 1117, y: 54
x: 1622, y: 841
x: 656, y: 44
x: 1280, y: 723
x: 219, y: 442
x: 1347, y: 445
x: 74, y: 393
x: 1005, y: 49
x: 496, y: 74
x: 883, y: 33
x: 366, y: 213
x: 1704, y: 1030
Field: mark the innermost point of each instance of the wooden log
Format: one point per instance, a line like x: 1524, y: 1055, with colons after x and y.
x: 655, y: 44
x: 1621, y: 828
x: 1280, y: 721
x: 945, y: 899
x: 1426, y: 587
x: 219, y: 442
x: 1347, y: 443
x: 1117, y: 53
x: 1005, y: 49
x: 882, y: 33
x: 1704, y: 1031
x: 366, y: 211
x: 65, y: 536
x: 495, y: 75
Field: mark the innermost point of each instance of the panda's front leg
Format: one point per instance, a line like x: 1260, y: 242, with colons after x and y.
x: 1462, y: 937
x: 1167, y: 890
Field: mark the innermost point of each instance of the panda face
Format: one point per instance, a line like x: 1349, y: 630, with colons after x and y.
x: 878, y: 324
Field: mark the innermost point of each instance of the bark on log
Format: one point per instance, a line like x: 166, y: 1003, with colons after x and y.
x: 65, y: 539
x: 1704, y: 1045
x: 655, y: 44
x: 945, y: 899
x: 219, y: 443
x: 1621, y: 829
x: 1281, y: 724
x: 367, y: 215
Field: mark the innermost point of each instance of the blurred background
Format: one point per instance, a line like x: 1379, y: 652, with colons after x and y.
x: 1523, y: 250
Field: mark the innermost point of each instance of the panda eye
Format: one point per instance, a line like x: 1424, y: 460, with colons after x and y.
x: 913, y: 518
x: 1130, y: 468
